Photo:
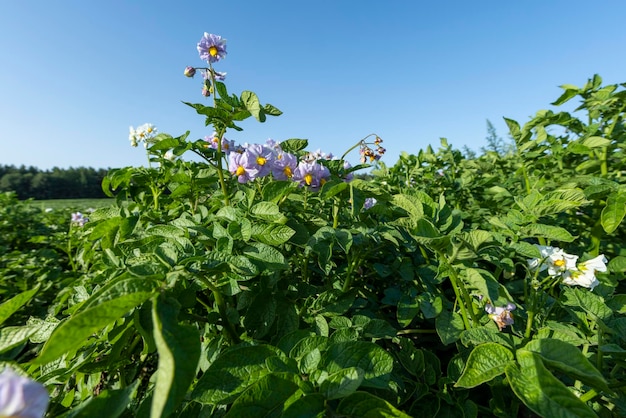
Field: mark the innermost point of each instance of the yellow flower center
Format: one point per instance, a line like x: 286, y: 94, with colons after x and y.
x: 213, y: 51
x: 308, y: 179
x: 288, y: 172
x: 240, y: 171
x: 261, y: 160
x: 559, y: 263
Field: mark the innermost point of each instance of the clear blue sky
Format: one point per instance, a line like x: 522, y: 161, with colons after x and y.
x: 75, y: 74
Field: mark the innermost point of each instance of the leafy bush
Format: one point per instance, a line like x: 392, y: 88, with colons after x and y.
x: 441, y: 286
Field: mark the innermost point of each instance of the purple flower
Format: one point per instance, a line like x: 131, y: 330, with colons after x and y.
x: 284, y: 165
x: 227, y: 146
x: 261, y: 157
x: 311, y: 174
x: 21, y: 396
x: 206, y: 74
x: 369, y: 202
x: 346, y: 166
x: 211, y: 47
x: 501, y: 315
x: 189, y: 72
x: 239, y: 164
x: 79, y: 219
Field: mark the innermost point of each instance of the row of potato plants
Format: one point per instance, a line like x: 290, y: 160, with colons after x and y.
x: 267, y: 280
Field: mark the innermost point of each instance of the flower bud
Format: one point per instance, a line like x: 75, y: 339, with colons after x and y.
x: 189, y: 71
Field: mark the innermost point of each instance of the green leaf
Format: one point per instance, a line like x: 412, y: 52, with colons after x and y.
x: 613, y: 213
x: 375, y: 362
x: 11, y: 337
x: 294, y: 145
x: 309, y: 362
x: 251, y: 102
x: 75, y: 331
x: 308, y: 344
x: 569, y: 93
x: 379, y: 328
x: 261, y: 314
x: 617, y: 264
x: 311, y: 405
x: 271, y: 110
x: 232, y: 372
x: 266, y: 397
x: 476, y: 336
x: 596, y: 142
x: 108, y: 404
x: 408, y: 308
x: 568, y: 359
x: 342, y: 383
x: 9, y: 307
x: 268, y: 211
x: 551, y: 232
x: 543, y: 393
x: 366, y: 405
x: 482, y: 281
x: 269, y: 256
x: 485, y: 362
x: 514, y: 129
x: 411, y: 358
x: 526, y: 249
x: 178, y: 347
x: 411, y: 204
x: 272, y: 234
x: 590, y: 302
x: 449, y: 326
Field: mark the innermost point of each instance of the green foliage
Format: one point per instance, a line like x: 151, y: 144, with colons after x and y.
x: 194, y: 294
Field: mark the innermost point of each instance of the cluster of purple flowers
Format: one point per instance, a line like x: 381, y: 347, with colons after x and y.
x: 79, y: 219
x: 252, y: 161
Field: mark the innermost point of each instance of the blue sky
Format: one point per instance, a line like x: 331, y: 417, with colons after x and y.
x: 76, y: 74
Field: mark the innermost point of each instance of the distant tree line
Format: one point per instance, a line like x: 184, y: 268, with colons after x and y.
x: 58, y: 183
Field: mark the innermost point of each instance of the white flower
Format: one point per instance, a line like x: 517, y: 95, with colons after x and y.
x: 144, y: 133
x: 554, y: 259
x: 584, y: 274
x: 21, y: 397
x: 169, y: 155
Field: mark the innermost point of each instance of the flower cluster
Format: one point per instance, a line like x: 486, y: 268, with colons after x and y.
x: 79, y: 219
x: 253, y: 161
x: 21, y: 396
x: 144, y: 133
x: 563, y: 265
x: 501, y: 315
x: 368, y: 154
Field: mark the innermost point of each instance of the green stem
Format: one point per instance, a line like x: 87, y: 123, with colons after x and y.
x: 460, y: 292
x: 599, y: 352
x: 349, y: 277
x: 586, y: 397
x: 358, y: 144
x: 335, y: 214
x: 220, y: 134
x: 221, y: 307
x: 529, y: 322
